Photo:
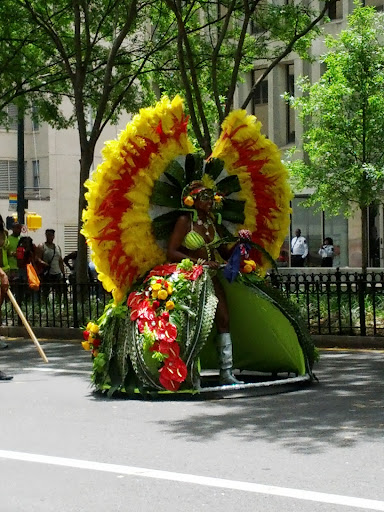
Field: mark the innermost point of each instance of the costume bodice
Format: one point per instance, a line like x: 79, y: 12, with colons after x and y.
x: 194, y: 241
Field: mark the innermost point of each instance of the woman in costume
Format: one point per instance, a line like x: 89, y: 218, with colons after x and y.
x: 199, y: 241
x: 159, y: 331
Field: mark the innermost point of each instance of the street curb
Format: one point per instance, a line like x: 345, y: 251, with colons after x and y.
x: 333, y: 341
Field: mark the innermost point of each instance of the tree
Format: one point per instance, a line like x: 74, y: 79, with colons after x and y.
x: 343, y: 116
x: 215, y: 47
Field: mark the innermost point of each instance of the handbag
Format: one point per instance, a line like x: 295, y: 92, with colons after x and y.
x: 33, y: 278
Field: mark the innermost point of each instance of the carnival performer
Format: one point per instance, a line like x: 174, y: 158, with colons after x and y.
x: 199, y: 241
x: 162, y: 222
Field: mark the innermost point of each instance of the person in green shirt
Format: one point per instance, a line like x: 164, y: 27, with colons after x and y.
x: 13, y: 240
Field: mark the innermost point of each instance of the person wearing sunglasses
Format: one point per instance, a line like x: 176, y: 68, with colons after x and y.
x: 196, y: 236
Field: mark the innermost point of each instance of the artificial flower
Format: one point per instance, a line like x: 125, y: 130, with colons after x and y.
x: 86, y: 345
x: 162, y: 294
x: 86, y: 335
x: 188, y: 201
x: 169, y: 305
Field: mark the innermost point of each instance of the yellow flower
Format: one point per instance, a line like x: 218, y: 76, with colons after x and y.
x: 251, y: 263
x: 92, y: 327
x: 188, y: 201
x: 86, y: 345
x: 162, y: 295
x: 247, y: 269
x: 169, y: 289
x: 95, y: 353
x: 218, y: 198
x: 91, y: 337
x: 154, y: 294
x: 156, y: 286
x: 169, y: 305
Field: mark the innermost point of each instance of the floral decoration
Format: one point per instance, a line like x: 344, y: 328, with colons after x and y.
x: 92, y: 340
x: 153, y: 307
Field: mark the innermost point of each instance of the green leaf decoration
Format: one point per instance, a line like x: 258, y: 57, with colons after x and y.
x: 193, y: 167
x: 232, y: 216
x: 228, y: 185
x: 164, y: 194
x: 233, y: 211
x: 214, y: 167
x: 162, y: 225
x: 176, y: 175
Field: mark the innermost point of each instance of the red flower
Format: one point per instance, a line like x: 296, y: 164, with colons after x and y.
x: 166, y: 331
x: 96, y: 342
x: 86, y: 335
x: 162, y: 270
x: 174, y: 369
x: 155, y: 304
x: 193, y: 274
x: 143, y: 310
x: 134, y: 299
x: 171, y: 385
x: 165, y: 315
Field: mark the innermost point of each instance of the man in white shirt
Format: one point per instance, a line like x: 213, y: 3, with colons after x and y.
x: 299, y: 249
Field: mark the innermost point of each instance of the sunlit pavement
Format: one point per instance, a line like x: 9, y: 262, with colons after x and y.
x: 63, y: 448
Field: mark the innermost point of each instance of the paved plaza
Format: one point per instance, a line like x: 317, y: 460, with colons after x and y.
x: 64, y: 449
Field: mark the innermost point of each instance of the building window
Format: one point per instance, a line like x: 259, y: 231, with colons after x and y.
x: 335, y: 10
x: 8, y: 176
x: 36, y: 174
x: 260, y: 99
x: 12, y: 119
x: 290, y: 87
x: 35, y: 120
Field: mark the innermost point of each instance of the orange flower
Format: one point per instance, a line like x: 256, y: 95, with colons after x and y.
x: 188, y: 201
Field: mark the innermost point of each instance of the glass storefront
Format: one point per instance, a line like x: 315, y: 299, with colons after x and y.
x: 315, y: 226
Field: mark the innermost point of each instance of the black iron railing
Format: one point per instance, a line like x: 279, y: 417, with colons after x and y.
x: 337, y: 303
x: 333, y: 303
x: 56, y: 305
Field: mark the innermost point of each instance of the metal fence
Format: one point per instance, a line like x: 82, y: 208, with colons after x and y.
x: 56, y: 305
x: 337, y: 302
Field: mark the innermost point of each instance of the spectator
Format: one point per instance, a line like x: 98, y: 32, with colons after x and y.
x: 4, y: 284
x: 49, y: 259
x: 13, y: 241
x: 3, y: 247
x: 299, y: 249
x: 70, y: 261
x: 327, y: 252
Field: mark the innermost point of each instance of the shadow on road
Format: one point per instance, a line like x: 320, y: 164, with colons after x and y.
x: 345, y: 407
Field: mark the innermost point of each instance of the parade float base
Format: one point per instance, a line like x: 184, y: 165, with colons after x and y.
x: 254, y: 384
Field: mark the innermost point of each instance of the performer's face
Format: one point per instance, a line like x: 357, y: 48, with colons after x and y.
x: 204, y: 200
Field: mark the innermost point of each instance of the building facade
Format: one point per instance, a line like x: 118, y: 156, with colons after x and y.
x: 52, y: 163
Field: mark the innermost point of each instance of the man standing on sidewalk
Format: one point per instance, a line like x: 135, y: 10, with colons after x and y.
x: 4, y: 284
x: 299, y: 249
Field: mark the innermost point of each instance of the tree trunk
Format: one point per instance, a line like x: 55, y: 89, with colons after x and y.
x: 82, y: 260
x: 364, y: 238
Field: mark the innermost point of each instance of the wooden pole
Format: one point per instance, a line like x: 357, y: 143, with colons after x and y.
x: 27, y: 326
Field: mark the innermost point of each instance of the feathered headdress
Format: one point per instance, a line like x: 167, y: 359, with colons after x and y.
x: 134, y: 196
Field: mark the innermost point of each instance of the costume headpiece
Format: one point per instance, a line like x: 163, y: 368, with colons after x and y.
x: 134, y: 195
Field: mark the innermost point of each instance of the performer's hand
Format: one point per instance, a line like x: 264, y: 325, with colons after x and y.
x: 213, y: 265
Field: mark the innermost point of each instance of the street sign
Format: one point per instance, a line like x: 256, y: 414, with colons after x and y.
x: 12, y: 203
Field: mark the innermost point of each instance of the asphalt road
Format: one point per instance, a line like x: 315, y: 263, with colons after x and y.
x: 64, y: 449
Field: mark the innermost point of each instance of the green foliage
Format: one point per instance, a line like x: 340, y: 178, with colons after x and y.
x: 215, y: 49
x: 343, y: 116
